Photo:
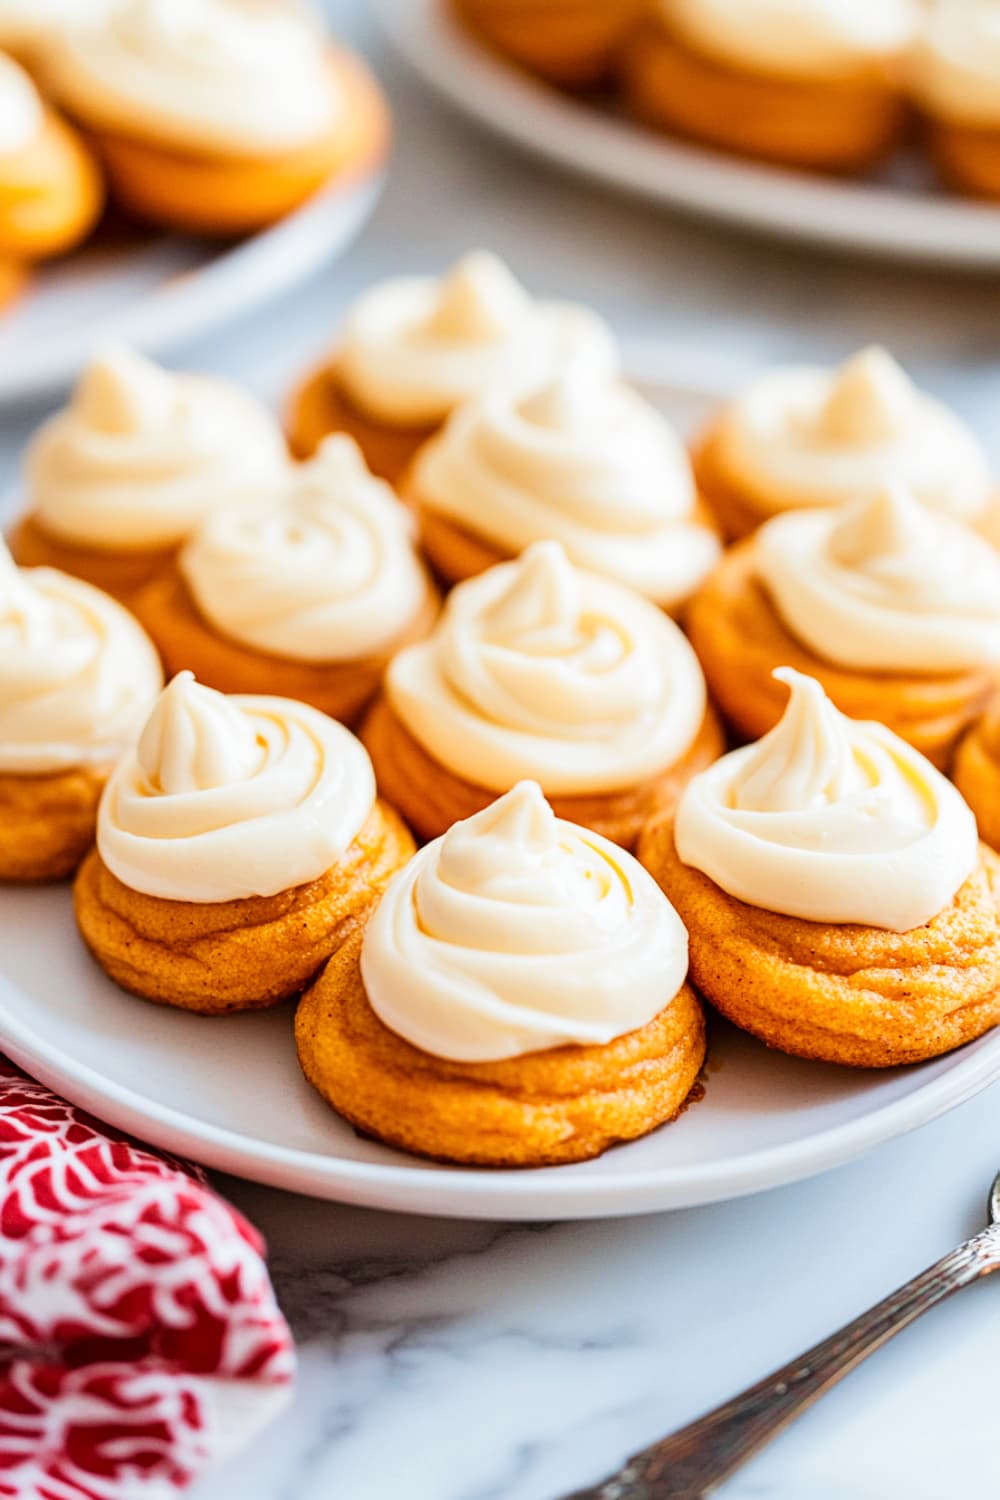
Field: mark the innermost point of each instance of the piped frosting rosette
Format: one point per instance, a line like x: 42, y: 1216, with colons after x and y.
x: 829, y: 819
x: 415, y: 347
x: 323, y: 569
x: 77, y: 673
x: 884, y: 585
x: 226, y: 798
x: 537, y: 670
x: 210, y: 75
x: 583, y: 460
x: 517, y: 932
x: 809, y: 437
x: 794, y: 38
x: 140, y: 455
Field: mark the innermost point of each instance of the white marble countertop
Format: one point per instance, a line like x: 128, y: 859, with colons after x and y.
x: 449, y: 1361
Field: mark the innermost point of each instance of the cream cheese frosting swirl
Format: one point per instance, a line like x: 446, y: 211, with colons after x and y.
x: 78, y: 675
x: 416, y: 347
x: 225, y: 798
x: 884, y: 585
x: 325, y: 571
x: 812, y: 437
x: 829, y: 819
x: 140, y: 455
x: 539, y: 671
x: 583, y: 460
x: 796, y: 38
x: 955, y: 72
x: 517, y: 932
x: 26, y: 24
x: 21, y: 111
x: 210, y: 75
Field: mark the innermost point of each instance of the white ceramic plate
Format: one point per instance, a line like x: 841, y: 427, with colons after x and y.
x: 160, y: 293
x: 901, y: 215
x: 228, y: 1092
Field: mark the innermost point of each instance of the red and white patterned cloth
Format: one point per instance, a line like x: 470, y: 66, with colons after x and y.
x: 139, y: 1335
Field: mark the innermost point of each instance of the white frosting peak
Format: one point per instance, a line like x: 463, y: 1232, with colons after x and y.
x: 226, y: 798
x: 77, y: 673
x: 322, y: 568
x: 517, y: 932
x: 830, y: 820
x: 21, y: 110
x: 884, y: 584
x: 538, y: 670
x: 797, y: 38
x: 141, y: 454
x: 417, y: 347
x: 806, y: 437
x: 870, y: 400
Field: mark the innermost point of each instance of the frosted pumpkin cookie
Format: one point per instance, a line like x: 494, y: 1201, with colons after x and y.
x: 539, y: 671
x: 570, y: 42
x: 51, y: 193
x: 119, y: 478
x: 304, y: 590
x: 894, y: 609
x: 518, y: 999
x: 804, y: 437
x: 77, y: 679
x: 414, y: 348
x: 238, y: 846
x: 955, y: 81
x: 838, y: 901
x: 583, y: 460
x: 216, y: 116
x: 805, y: 83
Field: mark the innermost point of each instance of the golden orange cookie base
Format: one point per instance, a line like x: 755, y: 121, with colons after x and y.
x: 456, y: 553
x: 216, y: 194
x: 976, y: 773
x: 740, y: 639
x: 548, y: 1108
x: 120, y: 574
x: 737, y: 511
x: 47, y: 822
x: 217, y: 958
x: 431, y: 798
x: 834, y: 125
x: 841, y: 993
x: 967, y: 158
x: 572, y: 43
x: 185, y: 639
x: 51, y: 194
x: 321, y: 406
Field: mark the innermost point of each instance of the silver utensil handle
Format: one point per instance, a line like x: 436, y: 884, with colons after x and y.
x: 694, y: 1461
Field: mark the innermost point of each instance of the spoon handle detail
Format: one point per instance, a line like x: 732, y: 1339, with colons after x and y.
x: 691, y: 1463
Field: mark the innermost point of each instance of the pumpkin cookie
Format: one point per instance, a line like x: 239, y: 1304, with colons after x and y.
x: 838, y: 902
x: 976, y: 773
x: 536, y: 670
x: 955, y: 82
x: 305, y: 590
x: 569, y: 42
x: 238, y: 846
x: 485, y: 1016
x: 895, y: 610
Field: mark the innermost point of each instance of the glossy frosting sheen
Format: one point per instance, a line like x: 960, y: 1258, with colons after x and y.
x: 538, y: 670
x: 231, y: 797
x: 812, y: 38
x: 956, y: 66
x: 141, y: 455
x: 218, y: 75
x: 829, y: 819
x: 517, y: 932
x: 583, y: 460
x: 414, y: 348
x: 812, y: 437
x: 77, y: 674
x: 884, y: 585
x: 21, y: 112
x: 324, y: 570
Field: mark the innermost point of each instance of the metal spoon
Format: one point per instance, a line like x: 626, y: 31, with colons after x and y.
x: 693, y: 1462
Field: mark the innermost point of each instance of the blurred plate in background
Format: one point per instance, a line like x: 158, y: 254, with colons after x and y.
x: 903, y: 215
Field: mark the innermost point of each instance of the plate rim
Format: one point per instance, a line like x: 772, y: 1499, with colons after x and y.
x: 865, y: 218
